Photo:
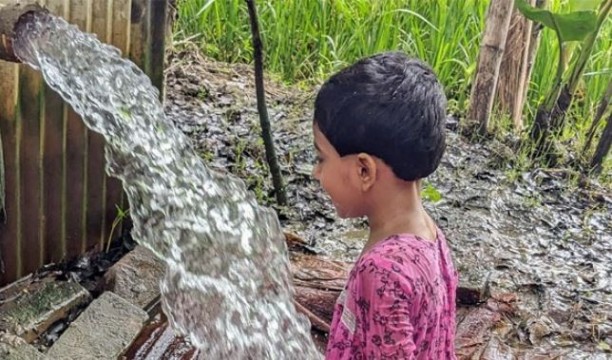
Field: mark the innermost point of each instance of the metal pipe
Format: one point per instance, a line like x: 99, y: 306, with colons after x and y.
x: 11, y: 12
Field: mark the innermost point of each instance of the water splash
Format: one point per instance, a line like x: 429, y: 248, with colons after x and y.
x: 227, y: 283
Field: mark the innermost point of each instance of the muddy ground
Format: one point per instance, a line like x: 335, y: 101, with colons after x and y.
x: 536, y: 234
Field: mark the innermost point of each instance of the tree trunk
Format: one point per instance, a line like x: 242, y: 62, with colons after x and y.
x: 262, y: 109
x: 489, y: 62
x: 603, y: 148
x: 515, y: 67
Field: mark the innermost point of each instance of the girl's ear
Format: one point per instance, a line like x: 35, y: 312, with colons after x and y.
x: 367, y: 171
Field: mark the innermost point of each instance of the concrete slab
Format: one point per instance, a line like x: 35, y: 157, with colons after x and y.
x: 36, y: 306
x: 12, y: 347
x: 102, y: 332
x: 136, y: 277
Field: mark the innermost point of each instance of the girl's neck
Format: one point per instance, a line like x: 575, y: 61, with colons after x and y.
x: 401, y: 213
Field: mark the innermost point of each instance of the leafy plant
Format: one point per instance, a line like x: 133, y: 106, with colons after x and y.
x: 430, y: 193
x: 121, y: 215
x: 581, y: 24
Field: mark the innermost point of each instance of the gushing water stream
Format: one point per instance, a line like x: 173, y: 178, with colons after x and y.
x: 227, y: 283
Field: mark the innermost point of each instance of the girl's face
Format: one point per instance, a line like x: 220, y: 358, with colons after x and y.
x: 338, y: 177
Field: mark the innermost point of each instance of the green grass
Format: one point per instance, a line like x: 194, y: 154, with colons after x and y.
x: 307, y: 40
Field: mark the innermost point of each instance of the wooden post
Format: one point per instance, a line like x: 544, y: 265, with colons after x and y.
x: 512, y: 72
x: 525, y: 73
x: 515, y: 72
x: 534, y: 43
x: 262, y: 109
x: 489, y: 61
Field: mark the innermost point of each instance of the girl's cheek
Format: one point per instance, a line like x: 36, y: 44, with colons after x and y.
x: 324, y: 184
x: 316, y: 172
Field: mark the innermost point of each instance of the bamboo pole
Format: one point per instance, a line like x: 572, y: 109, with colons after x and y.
x: 489, y: 62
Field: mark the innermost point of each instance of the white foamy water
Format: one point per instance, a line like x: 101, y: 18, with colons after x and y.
x: 228, y: 284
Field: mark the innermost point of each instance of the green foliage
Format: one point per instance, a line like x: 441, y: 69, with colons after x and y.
x: 573, y: 26
x: 579, y: 25
x: 581, y: 5
x: 305, y: 41
x: 430, y: 193
x: 121, y: 215
x: 308, y: 40
x: 594, y: 82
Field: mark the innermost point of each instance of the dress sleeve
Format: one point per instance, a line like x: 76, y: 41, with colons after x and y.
x: 384, y: 299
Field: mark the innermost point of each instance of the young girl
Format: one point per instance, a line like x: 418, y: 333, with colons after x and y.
x: 378, y: 130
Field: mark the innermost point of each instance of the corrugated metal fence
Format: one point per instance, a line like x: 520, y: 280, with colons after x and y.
x: 58, y: 200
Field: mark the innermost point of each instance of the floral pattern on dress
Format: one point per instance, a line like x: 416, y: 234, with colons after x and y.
x: 398, y: 303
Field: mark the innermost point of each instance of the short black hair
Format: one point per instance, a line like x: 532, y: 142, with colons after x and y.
x: 389, y: 106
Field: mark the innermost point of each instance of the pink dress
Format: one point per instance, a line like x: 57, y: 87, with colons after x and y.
x: 398, y: 303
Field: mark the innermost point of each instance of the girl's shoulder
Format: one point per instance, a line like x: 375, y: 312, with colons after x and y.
x: 403, y: 247
x: 407, y: 255
x: 398, y: 254
x: 406, y: 262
